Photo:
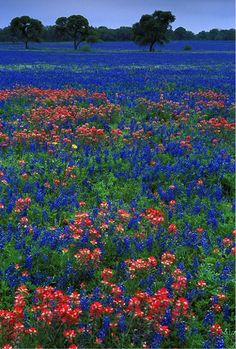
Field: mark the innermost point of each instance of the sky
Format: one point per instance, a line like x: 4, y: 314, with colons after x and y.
x: 194, y: 15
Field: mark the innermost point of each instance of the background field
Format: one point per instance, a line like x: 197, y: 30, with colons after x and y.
x: 117, y: 196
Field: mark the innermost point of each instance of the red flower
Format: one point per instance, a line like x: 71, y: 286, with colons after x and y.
x: 201, y: 284
x: 233, y: 250
x: 107, y: 274
x: 163, y: 330
x: 227, y: 241
x: 216, y: 330
x: 216, y: 308
x: 172, y: 228
x: 96, y: 309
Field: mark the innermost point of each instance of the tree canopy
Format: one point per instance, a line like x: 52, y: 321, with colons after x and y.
x: 152, y: 29
x: 26, y: 29
x: 76, y: 26
x: 181, y: 33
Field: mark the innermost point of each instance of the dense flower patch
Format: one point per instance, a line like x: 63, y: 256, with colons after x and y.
x: 116, y: 218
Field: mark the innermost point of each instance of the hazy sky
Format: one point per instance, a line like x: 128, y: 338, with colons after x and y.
x: 195, y: 15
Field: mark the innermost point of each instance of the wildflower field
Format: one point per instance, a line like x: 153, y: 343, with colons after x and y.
x: 117, y: 197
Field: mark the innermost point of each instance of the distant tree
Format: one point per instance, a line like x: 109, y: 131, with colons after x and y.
x: 76, y: 27
x: 213, y: 34
x: 49, y: 33
x: 105, y: 34
x: 93, y: 35
x: 202, y: 35
x: 6, y: 35
x: 181, y: 33
x: 119, y: 34
x: 190, y: 35
x: 217, y: 34
x: 26, y: 29
x: 123, y: 34
x: 227, y: 34
x: 152, y: 29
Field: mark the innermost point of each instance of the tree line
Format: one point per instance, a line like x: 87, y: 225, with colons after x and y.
x: 151, y: 29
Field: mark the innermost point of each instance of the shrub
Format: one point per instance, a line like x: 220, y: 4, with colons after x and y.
x: 187, y: 48
x: 85, y: 48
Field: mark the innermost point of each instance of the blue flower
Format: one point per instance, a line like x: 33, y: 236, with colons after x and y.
x: 209, y: 318
x: 219, y: 342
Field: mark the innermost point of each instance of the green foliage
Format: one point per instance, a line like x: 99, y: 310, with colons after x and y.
x: 152, y: 29
x: 181, y: 33
x: 93, y: 35
x: 26, y: 29
x: 53, y: 33
x: 187, y: 48
x: 85, y: 48
x: 228, y: 186
x: 76, y: 27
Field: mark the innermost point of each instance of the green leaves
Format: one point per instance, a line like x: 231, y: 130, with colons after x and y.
x: 153, y: 28
x: 76, y: 27
x: 26, y: 29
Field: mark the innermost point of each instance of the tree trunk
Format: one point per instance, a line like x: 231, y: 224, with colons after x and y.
x: 75, y: 44
x: 151, y: 48
x: 26, y: 45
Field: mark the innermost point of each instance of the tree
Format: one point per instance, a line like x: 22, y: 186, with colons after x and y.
x: 123, y: 34
x: 213, y: 34
x: 76, y: 26
x: 106, y: 34
x: 202, y: 35
x: 93, y: 35
x: 26, y: 29
x: 152, y: 29
x: 5, y: 34
x: 49, y: 33
x: 181, y: 33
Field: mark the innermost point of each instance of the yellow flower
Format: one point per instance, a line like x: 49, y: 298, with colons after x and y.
x: 74, y: 146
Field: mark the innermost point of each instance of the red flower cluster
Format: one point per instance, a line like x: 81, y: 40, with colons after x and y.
x: 4, y: 139
x: 22, y: 204
x: 153, y: 215
x: 85, y: 255
x: 12, y: 322
x: 97, y: 309
x: 140, y: 264
x: 181, y: 309
x: 90, y: 132
x: 216, y: 330
x: 167, y: 259
x: 220, y: 123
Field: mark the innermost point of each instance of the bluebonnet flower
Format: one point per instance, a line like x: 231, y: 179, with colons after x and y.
x: 105, y: 326
x: 224, y: 275
x: 96, y: 294
x: 28, y: 262
x: 169, y: 282
x: 167, y: 318
x: 157, y: 339
x: 207, y: 344
x: 195, y: 264
x: 212, y: 219
x: 122, y: 323
x: 84, y: 303
x: 219, y: 342
x: 181, y: 331
x: 149, y: 242
x: 226, y: 312
x: 209, y: 318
